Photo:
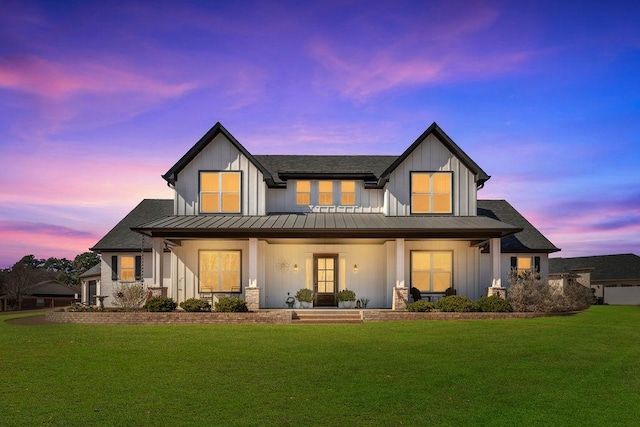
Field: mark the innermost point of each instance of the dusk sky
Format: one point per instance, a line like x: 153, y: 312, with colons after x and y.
x: 99, y: 98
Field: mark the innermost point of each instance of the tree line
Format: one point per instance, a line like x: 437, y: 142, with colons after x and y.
x: 16, y: 281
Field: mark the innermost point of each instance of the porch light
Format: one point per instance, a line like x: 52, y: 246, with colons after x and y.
x: 355, y: 268
x: 295, y: 267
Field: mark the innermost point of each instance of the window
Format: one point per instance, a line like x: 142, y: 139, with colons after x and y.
x: 220, y: 271
x: 220, y: 192
x: 126, y: 268
x: 347, y: 193
x: 431, y: 192
x: 525, y: 265
x: 303, y: 192
x: 325, y: 193
x: 431, y: 271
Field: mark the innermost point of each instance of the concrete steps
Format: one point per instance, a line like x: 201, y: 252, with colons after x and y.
x: 316, y: 317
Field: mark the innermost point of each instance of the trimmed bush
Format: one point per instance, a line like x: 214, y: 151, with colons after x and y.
x: 455, y: 303
x: 304, y: 295
x: 421, y: 306
x: 195, y: 304
x: 231, y: 305
x: 346, y: 295
x: 494, y: 304
x: 160, y: 304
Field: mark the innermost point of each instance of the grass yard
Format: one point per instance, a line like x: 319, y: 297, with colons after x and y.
x: 570, y: 370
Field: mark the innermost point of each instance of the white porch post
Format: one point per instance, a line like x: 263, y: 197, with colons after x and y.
x: 157, y: 251
x: 252, y: 293
x: 496, y: 270
x: 400, y: 291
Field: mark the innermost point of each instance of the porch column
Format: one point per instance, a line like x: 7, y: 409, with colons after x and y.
x: 252, y: 293
x: 400, y: 291
x: 496, y: 270
x: 157, y: 251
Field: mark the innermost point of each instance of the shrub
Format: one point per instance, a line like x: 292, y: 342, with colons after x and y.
x: 75, y: 307
x: 231, y: 305
x: 346, y: 295
x: 455, y: 303
x: 421, y: 306
x: 195, y: 304
x: 304, y: 295
x: 529, y: 293
x: 160, y: 304
x: 129, y: 296
x: 493, y: 304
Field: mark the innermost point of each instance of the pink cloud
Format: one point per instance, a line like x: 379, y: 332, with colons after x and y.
x: 42, y: 77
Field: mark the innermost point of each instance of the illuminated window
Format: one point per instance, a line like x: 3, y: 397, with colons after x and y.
x: 220, y: 192
x: 431, y: 192
x: 431, y: 271
x: 523, y: 264
x: 325, y: 193
x: 219, y: 271
x: 347, y: 193
x: 303, y: 192
x: 127, y: 268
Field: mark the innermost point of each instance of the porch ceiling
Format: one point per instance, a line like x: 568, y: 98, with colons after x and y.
x: 326, y: 225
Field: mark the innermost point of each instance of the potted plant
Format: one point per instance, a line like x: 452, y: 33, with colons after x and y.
x: 346, y: 298
x: 364, y: 301
x: 305, y: 297
x: 290, y: 301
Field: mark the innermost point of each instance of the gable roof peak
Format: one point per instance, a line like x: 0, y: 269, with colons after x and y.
x: 172, y: 174
x: 435, y: 130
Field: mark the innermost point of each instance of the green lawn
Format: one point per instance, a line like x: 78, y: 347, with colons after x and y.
x: 570, y: 370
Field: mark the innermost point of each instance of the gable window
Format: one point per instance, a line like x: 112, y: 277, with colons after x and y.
x: 325, y: 193
x: 432, y: 271
x: 431, y: 192
x: 219, y: 271
x: 220, y: 192
x: 303, y: 192
x: 126, y: 268
x: 347, y: 193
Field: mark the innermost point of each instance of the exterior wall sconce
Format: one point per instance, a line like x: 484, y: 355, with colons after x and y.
x: 295, y: 267
x: 355, y: 268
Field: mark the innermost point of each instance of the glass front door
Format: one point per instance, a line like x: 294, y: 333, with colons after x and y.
x: 325, y: 273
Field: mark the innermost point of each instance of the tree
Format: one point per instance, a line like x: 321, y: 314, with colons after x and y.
x: 85, y: 261
x: 19, y: 278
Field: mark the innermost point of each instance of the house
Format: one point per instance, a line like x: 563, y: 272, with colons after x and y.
x: 615, y: 279
x: 44, y: 294
x: 89, y: 281
x: 263, y: 226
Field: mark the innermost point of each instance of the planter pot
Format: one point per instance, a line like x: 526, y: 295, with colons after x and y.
x: 346, y: 304
x: 304, y: 304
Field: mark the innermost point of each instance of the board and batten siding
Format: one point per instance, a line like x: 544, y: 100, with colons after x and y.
x: 220, y: 155
x: 431, y: 156
x: 284, y: 199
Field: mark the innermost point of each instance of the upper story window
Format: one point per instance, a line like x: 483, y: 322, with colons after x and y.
x: 325, y: 193
x: 347, y: 193
x: 303, y: 192
x: 219, y: 192
x: 431, y: 192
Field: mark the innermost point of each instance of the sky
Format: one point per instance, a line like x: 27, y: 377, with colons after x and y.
x: 99, y: 98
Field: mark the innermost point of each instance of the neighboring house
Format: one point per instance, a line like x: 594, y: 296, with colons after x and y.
x: 48, y: 293
x: 263, y: 226
x: 615, y: 278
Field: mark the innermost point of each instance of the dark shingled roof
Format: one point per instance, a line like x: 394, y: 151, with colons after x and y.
x: 605, y: 267
x: 93, y: 271
x: 528, y: 240
x: 121, y: 238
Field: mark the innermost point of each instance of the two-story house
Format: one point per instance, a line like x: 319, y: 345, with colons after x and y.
x: 263, y: 226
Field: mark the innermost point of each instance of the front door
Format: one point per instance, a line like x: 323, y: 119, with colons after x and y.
x: 325, y: 273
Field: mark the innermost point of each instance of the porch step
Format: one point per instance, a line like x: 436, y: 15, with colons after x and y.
x: 326, y: 316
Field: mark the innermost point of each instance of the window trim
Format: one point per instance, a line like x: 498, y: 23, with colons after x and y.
x: 308, y: 193
x: 342, y: 193
x: 239, y: 252
x: 220, y: 193
x: 432, y: 251
x: 430, y: 193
